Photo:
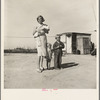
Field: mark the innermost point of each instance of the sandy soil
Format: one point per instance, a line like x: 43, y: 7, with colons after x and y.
x: 79, y: 72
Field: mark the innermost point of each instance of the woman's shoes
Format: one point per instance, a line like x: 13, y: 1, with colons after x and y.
x: 39, y: 70
x: 42, y: 68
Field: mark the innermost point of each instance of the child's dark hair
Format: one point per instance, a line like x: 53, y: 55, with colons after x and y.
x: 49, y: 45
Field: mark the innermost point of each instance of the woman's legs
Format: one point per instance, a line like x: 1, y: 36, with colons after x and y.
x: 42, y: 63
x: 38, y: 66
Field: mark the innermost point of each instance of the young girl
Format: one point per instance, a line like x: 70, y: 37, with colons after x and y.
x: 49, y: 51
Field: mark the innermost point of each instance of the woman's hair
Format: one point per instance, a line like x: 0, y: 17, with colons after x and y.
x: 41, y: 17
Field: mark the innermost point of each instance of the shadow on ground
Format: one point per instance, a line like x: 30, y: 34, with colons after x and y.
x: 67, y: 65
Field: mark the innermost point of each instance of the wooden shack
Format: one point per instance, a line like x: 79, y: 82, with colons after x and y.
x: 76, y: 43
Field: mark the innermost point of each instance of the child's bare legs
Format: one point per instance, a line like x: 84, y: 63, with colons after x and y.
x: 48, y: 64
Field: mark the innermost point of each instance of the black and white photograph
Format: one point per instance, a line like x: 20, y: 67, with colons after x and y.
x: 50, y: 44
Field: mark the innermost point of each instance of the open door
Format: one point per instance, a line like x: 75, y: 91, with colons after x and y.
x: 86, y: 45
x: 74, y: 45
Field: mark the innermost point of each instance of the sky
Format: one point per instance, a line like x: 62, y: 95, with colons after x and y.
x: 61, y: 15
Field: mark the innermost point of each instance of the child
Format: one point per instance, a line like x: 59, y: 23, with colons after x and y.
x: 49, y: 51
x: 40, y: 31
x: 57, y: 47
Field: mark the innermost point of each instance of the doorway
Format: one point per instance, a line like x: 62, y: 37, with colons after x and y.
x: 86, y: 45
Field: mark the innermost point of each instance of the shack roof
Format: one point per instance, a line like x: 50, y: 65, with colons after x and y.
x: 70, y: 33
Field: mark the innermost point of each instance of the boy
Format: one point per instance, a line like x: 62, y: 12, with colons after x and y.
x: 49, y: 51
x: 57, y: 47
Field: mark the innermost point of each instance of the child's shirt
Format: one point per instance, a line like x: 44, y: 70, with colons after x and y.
x: 57, y: 47
x: 49, y: 53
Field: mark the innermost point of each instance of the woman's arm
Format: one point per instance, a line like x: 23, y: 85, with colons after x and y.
x: 34, y: 34
x: 40, y: 32
x: 34, y: 31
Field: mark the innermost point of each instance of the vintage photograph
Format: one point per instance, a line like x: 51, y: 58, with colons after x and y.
x: 50, y: 44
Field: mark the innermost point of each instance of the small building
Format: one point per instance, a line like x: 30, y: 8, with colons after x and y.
x: 76, y: 43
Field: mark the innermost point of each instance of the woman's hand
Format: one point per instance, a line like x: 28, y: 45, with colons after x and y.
x: 35, y: 36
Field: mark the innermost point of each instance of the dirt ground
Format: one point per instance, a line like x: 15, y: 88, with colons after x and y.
x: 79, y: 72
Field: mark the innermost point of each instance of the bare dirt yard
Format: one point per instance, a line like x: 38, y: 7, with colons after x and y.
x: 79, y: 72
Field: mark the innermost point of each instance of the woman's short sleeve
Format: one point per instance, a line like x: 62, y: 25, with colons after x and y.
x: 48, y: 27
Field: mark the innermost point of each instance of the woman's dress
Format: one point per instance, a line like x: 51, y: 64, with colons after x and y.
x: 41, y: 41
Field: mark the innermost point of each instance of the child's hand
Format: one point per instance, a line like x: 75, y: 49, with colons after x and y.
x: 60, y: 46
x: 57, y: 46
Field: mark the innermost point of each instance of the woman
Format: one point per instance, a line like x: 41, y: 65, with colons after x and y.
x: 41, y: 40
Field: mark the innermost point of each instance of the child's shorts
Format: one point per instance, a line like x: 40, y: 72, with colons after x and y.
x: 48, y: 59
